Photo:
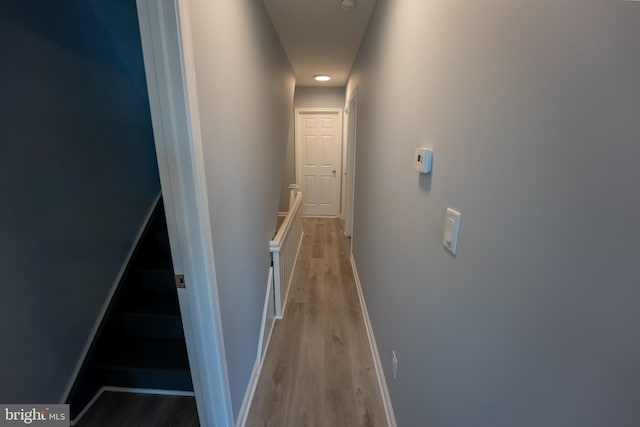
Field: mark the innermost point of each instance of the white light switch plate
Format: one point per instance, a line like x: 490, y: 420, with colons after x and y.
x: 451, y: 230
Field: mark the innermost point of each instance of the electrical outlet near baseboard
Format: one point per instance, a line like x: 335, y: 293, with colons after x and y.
x: 394, y: 367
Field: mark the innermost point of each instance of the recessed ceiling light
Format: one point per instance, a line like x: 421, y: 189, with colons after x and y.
x: 322, y: 78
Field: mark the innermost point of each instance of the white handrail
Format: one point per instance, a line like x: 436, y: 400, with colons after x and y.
x: 286, y: 224
x: 284, y: 250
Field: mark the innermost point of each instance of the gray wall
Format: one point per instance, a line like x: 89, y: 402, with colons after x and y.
x: 245, y: 88
x: 532, y: 109
x: 317, y: 96
x: 305, y: 97
x: 78, y: 176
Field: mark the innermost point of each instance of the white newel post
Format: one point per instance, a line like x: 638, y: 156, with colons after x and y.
x: 293, y: 190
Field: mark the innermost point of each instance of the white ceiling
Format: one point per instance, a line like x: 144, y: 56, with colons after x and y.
x: 319, y: 37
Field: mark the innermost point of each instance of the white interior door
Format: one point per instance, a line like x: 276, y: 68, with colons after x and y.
x: 319, y: 163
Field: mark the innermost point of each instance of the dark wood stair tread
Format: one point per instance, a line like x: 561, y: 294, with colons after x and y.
x: 140, y: 342
x: 152, y: 305
x: 154, y: 263
x: 145, y: 354
x: 152, y: 316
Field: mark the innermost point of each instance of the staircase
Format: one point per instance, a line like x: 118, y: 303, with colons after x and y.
x: 140, y: 343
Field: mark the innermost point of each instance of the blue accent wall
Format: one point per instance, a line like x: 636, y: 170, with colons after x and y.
x: 78, y: 176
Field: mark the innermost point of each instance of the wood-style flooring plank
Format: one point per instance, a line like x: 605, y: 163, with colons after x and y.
x: 141, y: 410
x: 318, y: 370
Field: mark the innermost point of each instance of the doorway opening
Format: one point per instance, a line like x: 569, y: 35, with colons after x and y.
x: 318, y: 159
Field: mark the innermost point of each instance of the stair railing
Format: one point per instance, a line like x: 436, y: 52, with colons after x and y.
x: 284, y: 249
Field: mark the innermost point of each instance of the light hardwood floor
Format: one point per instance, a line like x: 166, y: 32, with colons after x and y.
x: 319, y: 370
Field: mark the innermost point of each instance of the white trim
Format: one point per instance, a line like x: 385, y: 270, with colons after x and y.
x: 318, y: 110
x: 350, y: 162
x: 286, y: 225
x: 266, y: 347
x: 269, y: 297
x: 243, y: 414
x: 128, y: 390
x: 298, y: 152
x: 257, y: 366
x: 161, y: 392
x: 107, y: 302
x: 282, y: 213
x: 281, y: 240
x: 204, y: 298
x: 343, y: 160
x: 87, y: 406
x: 169, y: 66
x: 295, y: 261
x: 382, y: 382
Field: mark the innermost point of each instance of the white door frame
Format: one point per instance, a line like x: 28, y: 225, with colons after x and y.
x: 298, y: 151
x: 343, y: 163
x: 168, y: 58
x: 350, y: 162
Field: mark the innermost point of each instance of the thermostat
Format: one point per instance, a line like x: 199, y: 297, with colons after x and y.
x: 422, y: 160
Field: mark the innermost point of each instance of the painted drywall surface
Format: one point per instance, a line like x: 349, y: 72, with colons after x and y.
x: 78, y: 175
x: 532, y: 110
x: 323, y: 97
x: 245, y: 93
x: 305, y: 97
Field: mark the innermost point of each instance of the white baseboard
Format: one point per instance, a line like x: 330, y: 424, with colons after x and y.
x: 257, y: 367
x: 105, y: 306
x: 128, y: 390
x: 268, y: 318
x: 149, y: 391
x: 273, y: 325
x: 382, y: 382
x: 87, y: 407
x: 248, y: 395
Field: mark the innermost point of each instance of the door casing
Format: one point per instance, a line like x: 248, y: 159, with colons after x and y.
x: 300, y: 112
x: 350, y: 162
x: 169, y: 66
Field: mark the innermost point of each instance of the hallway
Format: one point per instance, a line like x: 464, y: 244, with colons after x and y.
x: 318, y: 370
